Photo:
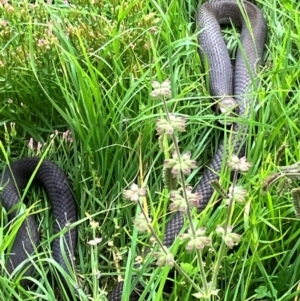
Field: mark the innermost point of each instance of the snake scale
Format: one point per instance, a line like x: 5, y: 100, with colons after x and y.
x: 224, y: 83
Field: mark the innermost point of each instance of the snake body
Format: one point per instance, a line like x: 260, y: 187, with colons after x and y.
x: 223, y: 83
x: 13, y: 180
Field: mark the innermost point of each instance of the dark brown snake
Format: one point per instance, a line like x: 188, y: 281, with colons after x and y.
x: 224, y: 83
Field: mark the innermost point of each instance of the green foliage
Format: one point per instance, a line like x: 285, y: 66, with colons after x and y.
x: 87, y: 66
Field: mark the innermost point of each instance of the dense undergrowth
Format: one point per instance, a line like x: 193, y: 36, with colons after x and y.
x: 87, y: 67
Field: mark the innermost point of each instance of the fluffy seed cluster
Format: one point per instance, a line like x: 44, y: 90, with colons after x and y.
x: 164, y: 257
x: 178, y: 203
x: 142, y: 223
x: 134, y: 193
x: 230, y: 238
x: 164, y: 126
x: 161, y: 89
x: 199, y: 241
x: 239, y: 164
x: 183, y: 164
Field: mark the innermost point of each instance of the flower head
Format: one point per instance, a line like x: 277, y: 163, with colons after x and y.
x: 165, y: 127
x: 95, y: 241
x: 230, y: 238
x: 206, y: 294
x: 194, y: 198
x: 161, y: 90
x: 13, y: 131
x: 237, y: 193
x: 38, y: 147
x: 141, y: 222
x: 43, y: 43
x: 67, y: 136
x: 184, y: 164
x: 178, y: 203
x: 239, y: 164
x: 164, y: 258
x: 134, y: 193
x: 30, y: 144
x: 227, y: 107
x: 198, y: 242
x: 32, y: 147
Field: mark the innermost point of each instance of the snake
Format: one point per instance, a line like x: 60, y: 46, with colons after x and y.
x: 226, y: 83
x: 58, y: 188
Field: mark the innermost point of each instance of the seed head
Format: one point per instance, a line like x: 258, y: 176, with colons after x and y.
x: 164, y: 258
x: 230, y: 238
x: 141, y: 222
x: 237, y: 193
x: 198, y: 242
x: 185, y: 164
x: 95, y: 242
x: 194, y: 198
x: 134, y: 193
x: 178, y: 203
x: 161, y: 90
x: 239, y: 164
x: 164, y: 126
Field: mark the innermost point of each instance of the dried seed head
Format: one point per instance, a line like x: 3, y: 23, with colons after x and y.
x: 141, y: 222
x: 194, y: 198
x: 164, y: 258
x: 230, y: 238
x: 198, y: 242
x: 227, y: 106
x: 161, y: 90
x: 164, y: 126
x: 237, y: 193
x: 220, y: 230
x: 207, y: 293
x: 178, y: 122
x: 239, y: 164
x: 178, y: 203
x: 134, y: 193
x: 95, y: 241
x: 185, y: 164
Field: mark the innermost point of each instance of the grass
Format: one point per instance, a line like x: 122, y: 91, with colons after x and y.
x: 88, y: 69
